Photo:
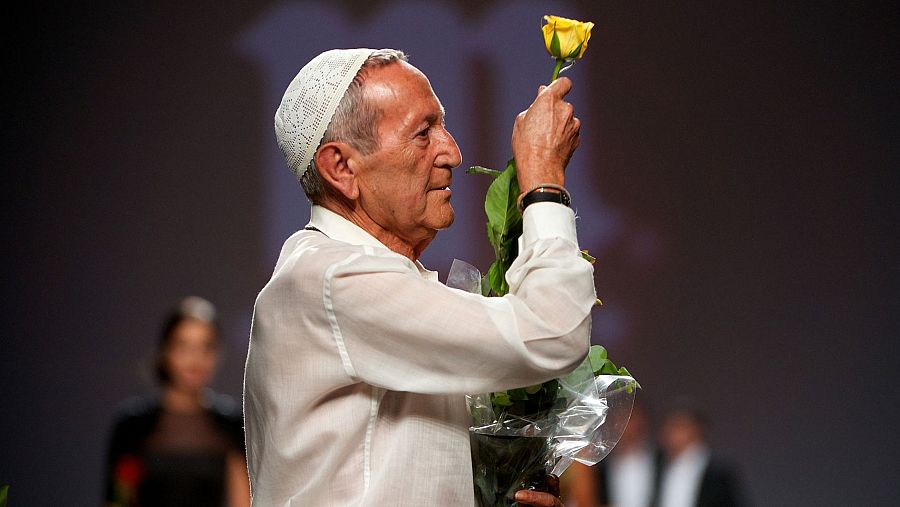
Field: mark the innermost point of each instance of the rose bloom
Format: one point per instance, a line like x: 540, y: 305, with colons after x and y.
x: 566, y: 39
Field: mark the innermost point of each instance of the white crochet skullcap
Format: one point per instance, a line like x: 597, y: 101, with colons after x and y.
x: 310, y: 101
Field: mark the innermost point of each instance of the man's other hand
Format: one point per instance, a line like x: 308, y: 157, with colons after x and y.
x: 537, y: 499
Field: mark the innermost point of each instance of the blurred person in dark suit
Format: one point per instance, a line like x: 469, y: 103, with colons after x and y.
x: 184, y: 444
x: 677, y: 471
x: 690, y: 475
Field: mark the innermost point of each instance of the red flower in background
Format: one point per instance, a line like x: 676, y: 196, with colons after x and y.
x: 129, y: 474
x: 129, y: 470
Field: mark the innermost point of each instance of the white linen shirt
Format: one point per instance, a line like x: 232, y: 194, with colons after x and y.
x: 359, y: 359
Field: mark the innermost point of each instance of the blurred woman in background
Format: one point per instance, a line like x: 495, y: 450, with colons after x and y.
x: 184, y: 444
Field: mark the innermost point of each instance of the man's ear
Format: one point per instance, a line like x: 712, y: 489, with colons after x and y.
x: 337, y: 162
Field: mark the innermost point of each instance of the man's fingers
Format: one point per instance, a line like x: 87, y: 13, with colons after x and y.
x: 576, y: 126
x: 577, y: 135
x: 537, y: 499
x: 560, y: 87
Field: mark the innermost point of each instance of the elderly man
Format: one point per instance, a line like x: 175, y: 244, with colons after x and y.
x: 359, y: 357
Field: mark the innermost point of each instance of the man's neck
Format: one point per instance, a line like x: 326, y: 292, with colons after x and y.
x: 361, y: 219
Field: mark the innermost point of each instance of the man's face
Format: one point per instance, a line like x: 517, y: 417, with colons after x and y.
x: 405, y: 184
x: 679, y: 431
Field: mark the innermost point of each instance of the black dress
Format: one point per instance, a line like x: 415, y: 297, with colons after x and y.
x: 162, y: 458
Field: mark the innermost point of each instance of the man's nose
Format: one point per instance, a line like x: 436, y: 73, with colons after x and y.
x: 449, y: 156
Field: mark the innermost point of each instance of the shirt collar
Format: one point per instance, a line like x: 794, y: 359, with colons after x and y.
x: 696, y: 455
x: 339, y: 228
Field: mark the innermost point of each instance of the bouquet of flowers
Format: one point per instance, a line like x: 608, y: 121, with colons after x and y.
x: 525, y: 438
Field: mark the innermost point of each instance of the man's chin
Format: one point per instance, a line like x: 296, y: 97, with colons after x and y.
x: 447, y: 221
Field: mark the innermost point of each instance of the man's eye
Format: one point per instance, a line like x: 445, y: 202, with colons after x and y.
x: 423, y: 133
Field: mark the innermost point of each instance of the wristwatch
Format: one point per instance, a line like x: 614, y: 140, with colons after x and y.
x: 541, y: 194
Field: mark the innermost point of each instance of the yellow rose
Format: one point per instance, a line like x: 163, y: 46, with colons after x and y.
x: 566, y: 39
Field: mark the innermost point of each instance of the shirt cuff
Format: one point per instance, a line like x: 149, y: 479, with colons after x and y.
x: 545, y: 220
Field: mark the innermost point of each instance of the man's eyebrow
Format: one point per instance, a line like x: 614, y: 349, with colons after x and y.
x: 435, y: 117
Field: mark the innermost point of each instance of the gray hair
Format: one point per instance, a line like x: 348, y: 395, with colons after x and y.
x: 354, y: 121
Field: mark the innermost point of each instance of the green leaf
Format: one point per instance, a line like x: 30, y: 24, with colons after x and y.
x: 4, y: 493
x: 496, y: 280
x: 602, y: 365
x: 609, y: 368
x: 485, y: 286
x: 494, y: 239
x: 500, y: 203
x: 504, y: 225
x: 574, y: 54
x: 597, y: 356
x: 517, y: 394
x: 588, y: 257
x: 554, y: 44
x: 512, y: 192
x: 500, y: 399
x: 496, y: 215
x: 477, y: 169
x: 510, y: 242
x: 533, y: 389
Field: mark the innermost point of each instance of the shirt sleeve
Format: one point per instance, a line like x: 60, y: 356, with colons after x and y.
x: 396, y: 330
